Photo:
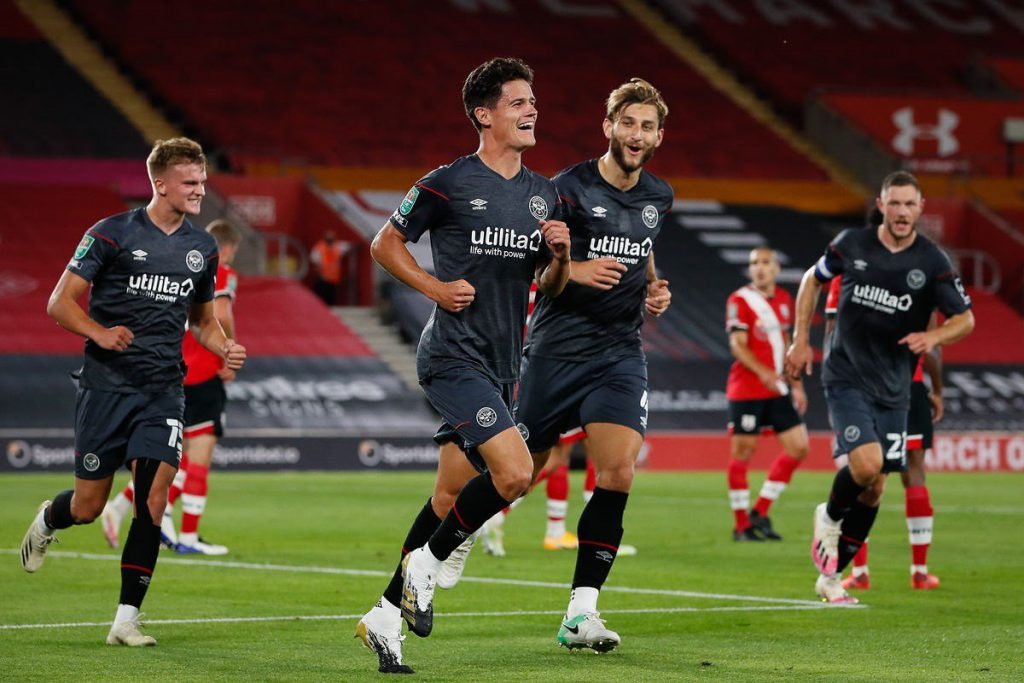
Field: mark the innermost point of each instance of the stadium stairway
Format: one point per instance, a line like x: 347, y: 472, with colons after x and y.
x: 384, y: 339
x: 87, y: 58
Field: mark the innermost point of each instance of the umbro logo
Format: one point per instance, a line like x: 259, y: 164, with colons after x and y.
x: 860, y: 264
x: 605, y: 555
x: 140, y: 255
x: 600, y: 212
x: 479, y: 204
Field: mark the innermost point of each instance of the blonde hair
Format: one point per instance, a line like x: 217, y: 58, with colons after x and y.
x: 167, y: 153
x: 224, y: 232
x: 636, y: 91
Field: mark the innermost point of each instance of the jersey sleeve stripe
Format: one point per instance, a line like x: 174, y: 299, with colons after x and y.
x: 430, y: 189
x: 107, y: 239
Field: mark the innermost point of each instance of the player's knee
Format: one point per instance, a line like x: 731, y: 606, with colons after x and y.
x: 800, y: 451
x: 156, y: 503
x: 513, y: 484
x: 85, y: 510
x: 442, y: 501
x: 618, y: 477
x: 865, y: 472
x: 742, y: 451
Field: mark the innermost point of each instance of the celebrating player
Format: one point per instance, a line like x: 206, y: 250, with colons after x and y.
x: 893, y: 279
x: 584, y: 364
x: 758, y: 319
x: 493, y: 229
x: 149, y: 269
x: 926, y: 410
x: 205, y: 400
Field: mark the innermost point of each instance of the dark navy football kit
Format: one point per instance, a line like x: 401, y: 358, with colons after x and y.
x: 584, y: 361
x: 484, y: 229
x: 130, y: 403
x: 884, y: 297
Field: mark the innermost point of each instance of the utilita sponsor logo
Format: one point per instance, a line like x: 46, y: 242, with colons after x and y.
x: 159, y: 287
x: 622, y: 249
x: 881, y: 298
x: 504, y: 242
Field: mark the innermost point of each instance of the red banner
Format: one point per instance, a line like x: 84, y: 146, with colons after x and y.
x: 933, y: 134
x: 952, y: 452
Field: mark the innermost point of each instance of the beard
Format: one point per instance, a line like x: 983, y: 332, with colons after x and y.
x: 619, y: 154
x: 891, y: 227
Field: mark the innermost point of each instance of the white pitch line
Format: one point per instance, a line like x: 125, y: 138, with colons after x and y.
x: 445, y: 615
x: 472, y: 579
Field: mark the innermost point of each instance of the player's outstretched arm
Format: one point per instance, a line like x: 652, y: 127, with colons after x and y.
x: 389, y: 250
x: 64, y: 308
x: 551, y: 278
x: 799, y: 357
x: 205, y: 326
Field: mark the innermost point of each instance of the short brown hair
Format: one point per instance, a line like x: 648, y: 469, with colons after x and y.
x: 225, y: 232
x: 167, y: 153
x: 900, y: 179
x: 636, y: 91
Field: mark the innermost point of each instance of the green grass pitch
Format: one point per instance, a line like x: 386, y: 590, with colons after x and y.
x: 309, y: 553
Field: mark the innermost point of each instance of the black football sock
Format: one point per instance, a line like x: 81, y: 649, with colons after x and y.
x: 856, y: 525
x: 58, y: 514
x: 138, y: 561
x: 599, y: 532
x: 844, y: 494
x: 477, y: 502
x: 426, y: 523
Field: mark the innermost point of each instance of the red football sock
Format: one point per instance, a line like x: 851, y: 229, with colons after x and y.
x: 861, y: 558
x: 590, y: 481
x: 919, y: 523
x: 193, y: 497
x: 739, y: 493
x: 779, y: 475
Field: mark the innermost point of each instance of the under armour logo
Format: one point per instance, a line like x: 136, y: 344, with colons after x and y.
x: 910, y: 131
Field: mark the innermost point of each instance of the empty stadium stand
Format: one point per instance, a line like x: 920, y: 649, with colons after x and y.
x: 49, y: 109
x: 1009, y: 72
x: 309, y: 80
x: 788, y: 50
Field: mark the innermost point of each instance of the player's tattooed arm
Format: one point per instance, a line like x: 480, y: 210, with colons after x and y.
x: 63, y: 307
x: 388, y: 249
x: 658, y: 295
x: 799, y: 357
x: 552, y: 276
x: 207, y: 330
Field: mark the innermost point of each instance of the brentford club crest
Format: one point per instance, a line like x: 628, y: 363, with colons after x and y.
x: 195, y: 261
x: 650, y: 216
x: 538, y: 208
